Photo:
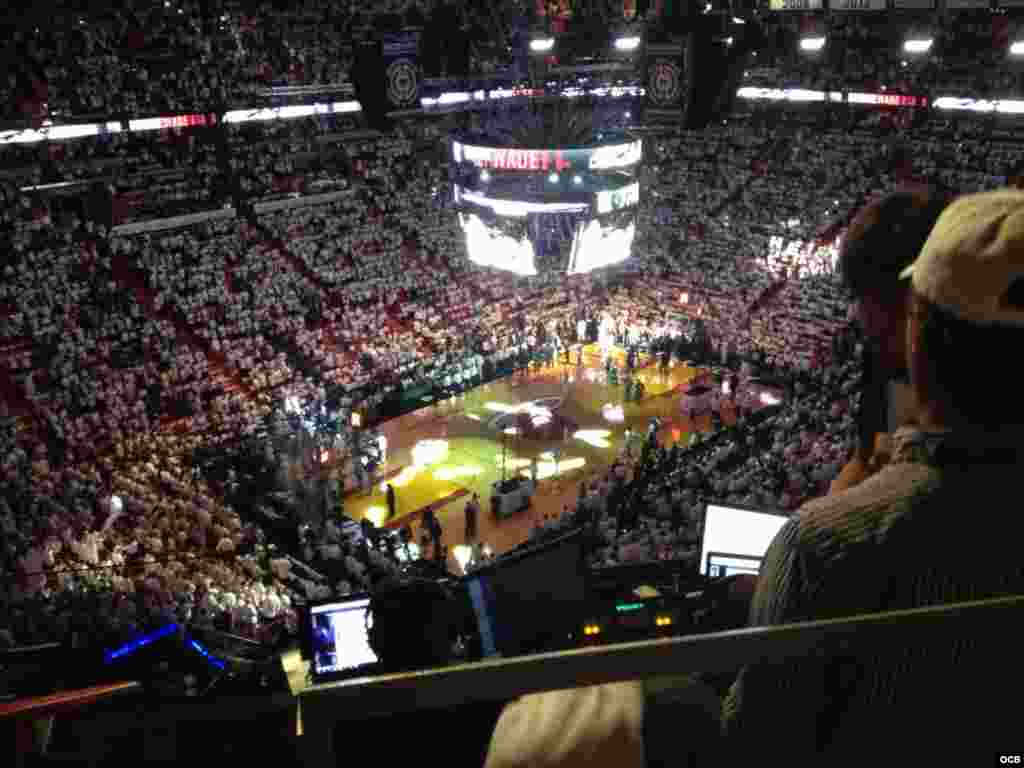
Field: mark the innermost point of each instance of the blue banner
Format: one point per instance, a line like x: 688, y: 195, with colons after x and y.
x: 401, y: 69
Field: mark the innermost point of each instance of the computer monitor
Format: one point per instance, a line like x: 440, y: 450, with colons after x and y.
x: 338, y: 637
x: 531, y: 601
x: 735, y: 539
x: 722, y: 564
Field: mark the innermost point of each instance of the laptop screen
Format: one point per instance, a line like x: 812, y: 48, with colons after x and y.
x: 339, y: 638
x: 531, y: 600
x: 485, y: 626
x: 722, y: 564
x: 737, y: 538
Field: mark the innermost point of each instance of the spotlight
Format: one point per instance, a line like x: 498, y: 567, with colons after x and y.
x: 812, y: 44
x: 553, y: 178
x: 485, y: 176
x: 922, y: 45
x: 1017, y: 48
x: 577, y: 179
x: 627, y: 43
x: 542, y: 45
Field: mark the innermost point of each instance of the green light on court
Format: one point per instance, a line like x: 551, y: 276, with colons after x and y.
x: 627, y: 607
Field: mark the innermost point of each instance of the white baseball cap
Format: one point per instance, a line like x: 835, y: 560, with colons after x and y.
x: 972, y: 257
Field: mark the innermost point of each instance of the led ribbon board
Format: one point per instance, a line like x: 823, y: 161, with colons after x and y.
x: 550, y: 160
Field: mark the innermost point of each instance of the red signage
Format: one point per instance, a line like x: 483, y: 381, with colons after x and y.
x: 187, y: 121
x: 525, y: 160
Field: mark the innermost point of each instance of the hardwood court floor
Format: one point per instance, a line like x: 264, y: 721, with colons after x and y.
x: 440, y: 455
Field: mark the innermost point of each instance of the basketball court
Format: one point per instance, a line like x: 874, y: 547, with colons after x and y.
x: 439, y: 456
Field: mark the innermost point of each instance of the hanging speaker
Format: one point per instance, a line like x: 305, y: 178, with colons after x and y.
x: 367, y: 76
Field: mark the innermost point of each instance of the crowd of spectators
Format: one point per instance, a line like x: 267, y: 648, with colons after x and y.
x: 130, y: 350
x: 864, y: 53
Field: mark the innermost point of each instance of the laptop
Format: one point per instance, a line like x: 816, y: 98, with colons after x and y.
x: 736, y: 539
x: 338, y: 639
x: 531, y: 601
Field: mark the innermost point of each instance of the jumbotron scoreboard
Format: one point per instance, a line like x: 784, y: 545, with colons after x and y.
x: 548, y: 209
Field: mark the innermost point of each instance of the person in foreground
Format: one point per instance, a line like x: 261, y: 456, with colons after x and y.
x: 882, y: 240
x: 938, y: 524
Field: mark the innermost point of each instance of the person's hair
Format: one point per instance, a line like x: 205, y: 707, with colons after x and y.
x: 954, y: 352
x: 885, y: 237
x: 413, y: 624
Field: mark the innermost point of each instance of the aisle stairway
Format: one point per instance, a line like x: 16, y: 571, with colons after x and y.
x: 132, y: 279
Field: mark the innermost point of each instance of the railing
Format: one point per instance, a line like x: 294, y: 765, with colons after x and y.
x: 324, y: 706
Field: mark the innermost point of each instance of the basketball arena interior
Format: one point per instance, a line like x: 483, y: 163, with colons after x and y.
x: 449, y: 373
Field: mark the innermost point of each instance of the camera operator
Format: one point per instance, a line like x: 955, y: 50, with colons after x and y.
x: 883, y: 239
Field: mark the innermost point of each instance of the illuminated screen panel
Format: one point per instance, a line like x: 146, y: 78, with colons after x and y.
x: 599, y: 245
x: 604, y: 158
x: 490, y: 247
x: 740, y: 533
x: 616, y: 199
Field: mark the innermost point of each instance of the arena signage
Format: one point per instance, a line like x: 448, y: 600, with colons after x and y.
x: 1006, y: 106
x: 887, y: 99
x: 858, y: 5
x: 609, y: 200
x: 173, y: 121
x: 795, y: 5
x: 550, y: 160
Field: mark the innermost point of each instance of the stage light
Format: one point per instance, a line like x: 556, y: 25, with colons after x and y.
x: 1017, y: 48
x: 553, y: 178
x: 377, y: 515
x: 577, y: 180
x: 598, y: 438
x: 403, y: 478
x: 447, y: 474
x: 485, y: 176
x: 812, y: 44
x: 462, y: 555
x: 542, y: 45
x: 613, y: 413
x: 922, y: 45
x: 738, y: 20
x: 547, y: 467
x: 729, y: 41
x: 769, y: 399
x: 427, y: 452
x: 627, y: 43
